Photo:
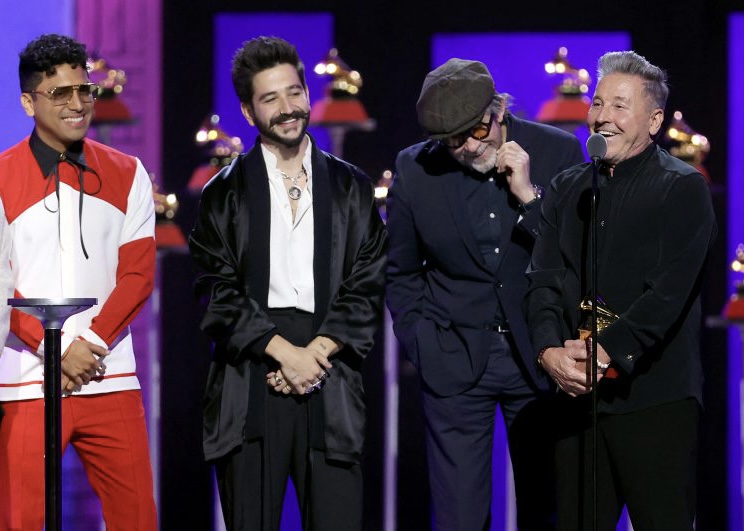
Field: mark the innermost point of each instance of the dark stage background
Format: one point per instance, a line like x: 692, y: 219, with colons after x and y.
x: 388, y: 42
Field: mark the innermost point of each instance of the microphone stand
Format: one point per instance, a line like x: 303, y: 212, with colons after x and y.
x: 595, y: 303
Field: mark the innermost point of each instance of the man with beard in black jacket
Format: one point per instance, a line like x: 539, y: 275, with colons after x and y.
x: 290, y: 252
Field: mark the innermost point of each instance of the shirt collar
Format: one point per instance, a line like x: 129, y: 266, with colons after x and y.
x: 270, y: 161
x: 47, y: 157
x: 630, y: 166
x: 49, y: 160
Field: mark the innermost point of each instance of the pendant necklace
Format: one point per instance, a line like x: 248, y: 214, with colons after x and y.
x: 294, y: 191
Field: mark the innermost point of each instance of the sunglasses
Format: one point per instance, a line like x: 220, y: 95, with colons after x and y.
x: 87, y: 92
x: 479, y: 131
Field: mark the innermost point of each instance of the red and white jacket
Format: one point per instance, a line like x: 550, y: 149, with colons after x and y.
x: 47, y: 260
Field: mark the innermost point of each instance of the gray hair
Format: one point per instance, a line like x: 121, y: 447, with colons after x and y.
x: 654, y: 78
x: 501, y: 100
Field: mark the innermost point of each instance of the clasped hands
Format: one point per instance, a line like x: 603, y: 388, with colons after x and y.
x: 569, y: 366
x: 302, y: 370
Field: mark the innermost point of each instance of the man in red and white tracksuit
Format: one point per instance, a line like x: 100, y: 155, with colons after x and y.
x: 80, y: 218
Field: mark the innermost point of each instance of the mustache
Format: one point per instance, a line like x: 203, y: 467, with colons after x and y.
x: 466, y: 157
x: 294, y: 115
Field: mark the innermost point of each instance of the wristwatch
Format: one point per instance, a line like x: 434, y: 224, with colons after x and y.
x: 538, y: 191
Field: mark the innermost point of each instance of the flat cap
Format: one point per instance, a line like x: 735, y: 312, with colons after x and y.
x: 454, y: 98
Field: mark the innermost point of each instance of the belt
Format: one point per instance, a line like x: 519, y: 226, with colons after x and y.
x: 500, y: 328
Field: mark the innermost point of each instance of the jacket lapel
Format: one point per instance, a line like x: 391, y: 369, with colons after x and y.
x: 256, y: 182
x: 508, y: 206
x: 324, y: 190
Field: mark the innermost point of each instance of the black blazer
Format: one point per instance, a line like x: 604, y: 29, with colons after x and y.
x: 230, y: 248
x: 441, y: 294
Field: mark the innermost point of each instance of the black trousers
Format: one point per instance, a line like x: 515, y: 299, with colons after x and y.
x: 645, y: 460
x: 252, y: 480
x: 459, y: 437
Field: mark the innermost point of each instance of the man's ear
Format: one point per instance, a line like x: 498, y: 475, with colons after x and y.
x: 247, y: 111
x: 655, y: 121
x: 27, y: 102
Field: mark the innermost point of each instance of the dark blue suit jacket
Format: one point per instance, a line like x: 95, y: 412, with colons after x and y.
x: 441, y: 293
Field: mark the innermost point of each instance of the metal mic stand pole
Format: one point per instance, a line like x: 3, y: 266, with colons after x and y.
x: 595, y: 303
x: 52, y: 313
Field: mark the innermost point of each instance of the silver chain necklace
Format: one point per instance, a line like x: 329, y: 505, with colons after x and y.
x: 294, y: 191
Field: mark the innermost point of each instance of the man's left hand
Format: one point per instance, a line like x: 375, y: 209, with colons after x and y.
x: 324, y: 345
x: 321, y: 345
x: 82, y: 362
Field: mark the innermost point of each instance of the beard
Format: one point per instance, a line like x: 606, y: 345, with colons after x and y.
x: 483, y: 164
x: 267, y: 130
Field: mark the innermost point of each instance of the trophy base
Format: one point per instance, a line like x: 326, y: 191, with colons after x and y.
x: 734, y: 308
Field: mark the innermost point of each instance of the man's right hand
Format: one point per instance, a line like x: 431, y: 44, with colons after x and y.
x: 82, y: 362
x: 567, y: 367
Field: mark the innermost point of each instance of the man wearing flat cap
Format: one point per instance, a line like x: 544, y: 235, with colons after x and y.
x: 463, y: 213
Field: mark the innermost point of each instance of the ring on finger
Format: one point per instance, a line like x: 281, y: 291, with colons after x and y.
x: 278, y: 381
x: 288, y: 388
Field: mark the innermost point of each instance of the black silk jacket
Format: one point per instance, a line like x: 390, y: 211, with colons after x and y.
x: 656, y: 225
x: 230, y: 249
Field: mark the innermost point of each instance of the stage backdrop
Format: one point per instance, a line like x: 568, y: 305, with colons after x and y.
x: 18, y: 26
x: 517, y: 61
x: 735, y: 236
x: 312, y: 35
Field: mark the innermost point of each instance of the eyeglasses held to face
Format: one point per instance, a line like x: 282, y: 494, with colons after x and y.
x: 479, y: 131
x: 87, y: 92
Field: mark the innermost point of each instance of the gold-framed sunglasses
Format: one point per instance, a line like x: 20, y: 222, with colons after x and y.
x: 479, y: 131
x: 87, y: 92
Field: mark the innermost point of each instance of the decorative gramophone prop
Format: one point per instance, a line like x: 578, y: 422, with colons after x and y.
x: 220, y: 147
x: 381, y: 192
x: 340, y: 110
x: 340, y: 104
x: 605, y: 317
x: 569, y: 107
x: 167, y: 233
x: 734, y: 309
x: 686, y: 144
x: 109, y: 108
x: 166, y: 205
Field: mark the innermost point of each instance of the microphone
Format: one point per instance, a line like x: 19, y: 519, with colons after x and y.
x: 596, y: 146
